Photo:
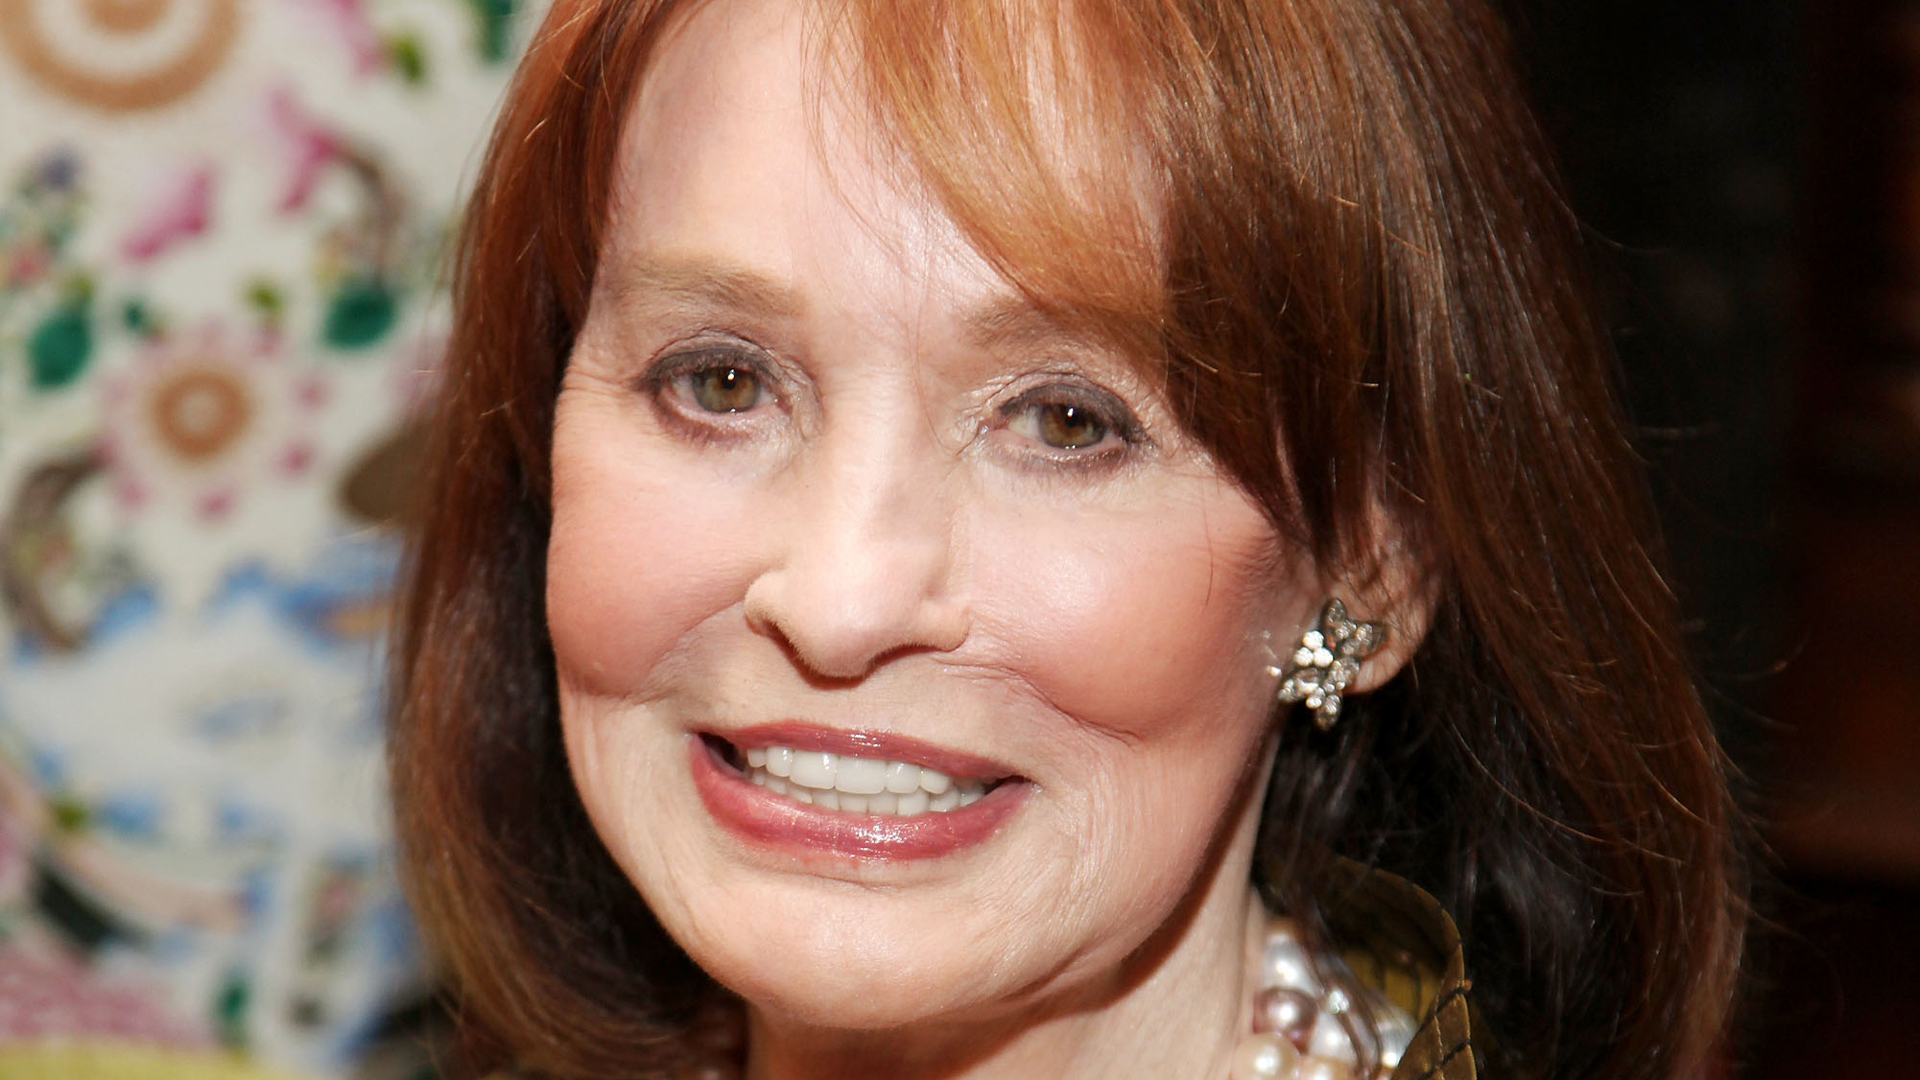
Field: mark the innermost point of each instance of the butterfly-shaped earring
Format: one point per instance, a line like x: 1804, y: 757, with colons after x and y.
x: 1327, y: 660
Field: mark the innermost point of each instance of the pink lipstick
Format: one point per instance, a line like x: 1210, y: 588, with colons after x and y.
x: 926, y: 800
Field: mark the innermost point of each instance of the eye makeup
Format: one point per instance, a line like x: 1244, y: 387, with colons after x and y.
x: 720, y: 387
x: 715, y: 389
x: 1073, y: 424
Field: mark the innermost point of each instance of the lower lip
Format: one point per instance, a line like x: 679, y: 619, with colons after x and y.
x: 763, y: 817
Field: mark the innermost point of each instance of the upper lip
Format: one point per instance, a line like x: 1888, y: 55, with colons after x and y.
x: 800, y: 735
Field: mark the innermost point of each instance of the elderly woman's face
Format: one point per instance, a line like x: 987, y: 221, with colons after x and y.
x: 911, y: 659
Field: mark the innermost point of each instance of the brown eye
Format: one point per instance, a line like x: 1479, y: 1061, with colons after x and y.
x: 725, y: 389
x: 1069, y: 427
x: 1077, y: 422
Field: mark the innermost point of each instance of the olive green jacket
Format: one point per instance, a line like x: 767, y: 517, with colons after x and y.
x: 1399, y: 940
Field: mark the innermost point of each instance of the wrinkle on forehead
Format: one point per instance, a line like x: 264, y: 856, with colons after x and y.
x: 981, y: 127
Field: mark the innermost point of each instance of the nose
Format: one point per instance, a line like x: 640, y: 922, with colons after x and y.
x: 866, y: 564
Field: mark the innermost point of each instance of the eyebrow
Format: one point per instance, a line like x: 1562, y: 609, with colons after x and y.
x: 702, y: 282
x: 1013, y: 322
x: 1007, y: 322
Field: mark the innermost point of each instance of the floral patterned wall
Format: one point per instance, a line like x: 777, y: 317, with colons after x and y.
x: 222, y: 229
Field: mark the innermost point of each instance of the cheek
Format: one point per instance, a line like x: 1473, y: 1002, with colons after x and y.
x: 641, y: 552
x: 1133, y: 624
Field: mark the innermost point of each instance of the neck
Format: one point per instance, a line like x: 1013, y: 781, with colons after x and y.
x: 1174, y: 1012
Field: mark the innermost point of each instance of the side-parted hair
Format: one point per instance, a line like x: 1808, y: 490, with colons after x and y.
x: 1368, y: 305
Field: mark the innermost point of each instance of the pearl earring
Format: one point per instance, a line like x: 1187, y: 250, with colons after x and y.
x: 1327, y: 660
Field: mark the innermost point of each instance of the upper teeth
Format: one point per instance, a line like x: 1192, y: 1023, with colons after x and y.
x: 858, y: 784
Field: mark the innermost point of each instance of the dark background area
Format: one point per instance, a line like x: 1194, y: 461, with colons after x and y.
x: 1749, y: 171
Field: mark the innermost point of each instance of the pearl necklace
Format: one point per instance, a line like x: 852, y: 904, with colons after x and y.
x: 1298, y: 1033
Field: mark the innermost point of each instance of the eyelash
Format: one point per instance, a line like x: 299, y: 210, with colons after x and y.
x: 664, y: 382
x: 1122, y: 435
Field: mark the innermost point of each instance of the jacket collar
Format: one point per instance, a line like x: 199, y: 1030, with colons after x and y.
x: 1400, y: 941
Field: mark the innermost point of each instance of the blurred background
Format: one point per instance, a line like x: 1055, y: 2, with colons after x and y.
x: 222, y: 230
x: 1749, y: 171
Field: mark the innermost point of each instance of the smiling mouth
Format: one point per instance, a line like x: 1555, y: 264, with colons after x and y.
x: 852, y: 784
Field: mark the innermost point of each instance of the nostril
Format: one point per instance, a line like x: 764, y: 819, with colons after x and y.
x: 839, y: 613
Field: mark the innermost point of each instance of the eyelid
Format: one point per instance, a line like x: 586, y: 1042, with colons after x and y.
x: 689, y: 357
x: 1108, y: 406
x: 660, y: 384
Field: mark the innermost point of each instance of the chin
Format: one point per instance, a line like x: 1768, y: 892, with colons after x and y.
x: 841, y: 957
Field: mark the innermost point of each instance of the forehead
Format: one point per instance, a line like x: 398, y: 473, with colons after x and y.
x: 804, y: 141
x: 741, y: 154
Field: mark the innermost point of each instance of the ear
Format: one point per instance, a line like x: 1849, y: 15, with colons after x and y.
x: 1395, y: 589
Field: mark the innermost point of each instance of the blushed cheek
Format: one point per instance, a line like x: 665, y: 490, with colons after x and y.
x: 1137, y: 628
x: 640, y: 555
